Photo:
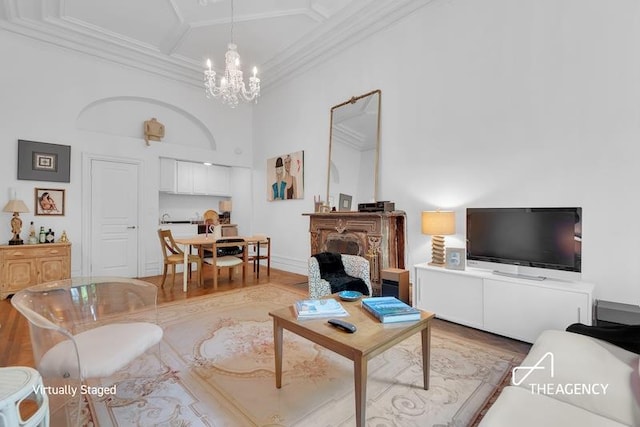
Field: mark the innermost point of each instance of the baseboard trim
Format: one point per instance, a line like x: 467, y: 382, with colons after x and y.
x: 292, y: 265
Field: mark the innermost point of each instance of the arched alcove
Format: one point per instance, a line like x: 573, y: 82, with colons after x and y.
x: 125, y: 116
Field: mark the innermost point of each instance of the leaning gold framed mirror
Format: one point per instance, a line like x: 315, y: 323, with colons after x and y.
x: 354, y: 146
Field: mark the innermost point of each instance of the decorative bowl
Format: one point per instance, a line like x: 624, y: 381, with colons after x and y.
x: 349, y: 295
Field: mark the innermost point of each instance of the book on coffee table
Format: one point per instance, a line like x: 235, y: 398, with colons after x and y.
x: 390, y: 309
x: 315, y: 308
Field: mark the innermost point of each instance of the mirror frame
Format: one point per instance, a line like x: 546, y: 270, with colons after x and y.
x: 353, y: 100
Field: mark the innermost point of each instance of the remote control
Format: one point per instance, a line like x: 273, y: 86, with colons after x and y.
x: 341, y: 324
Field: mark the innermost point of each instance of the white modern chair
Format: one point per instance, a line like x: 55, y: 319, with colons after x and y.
x: 85, y: 328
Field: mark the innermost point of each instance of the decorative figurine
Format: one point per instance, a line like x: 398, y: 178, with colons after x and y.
x: 16, y: 227
x: 153, y: 130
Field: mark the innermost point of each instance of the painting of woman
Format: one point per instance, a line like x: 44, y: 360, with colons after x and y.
x: 285, y: 177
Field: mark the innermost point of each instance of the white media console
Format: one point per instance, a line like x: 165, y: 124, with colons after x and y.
x: 510, y: 306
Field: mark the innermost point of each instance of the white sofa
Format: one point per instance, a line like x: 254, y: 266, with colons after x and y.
x: 586, y: 382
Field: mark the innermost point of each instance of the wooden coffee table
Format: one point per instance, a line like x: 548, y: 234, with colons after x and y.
x: 371, y: 339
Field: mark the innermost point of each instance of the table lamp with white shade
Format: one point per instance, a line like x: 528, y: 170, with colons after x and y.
x: 438, y: 224
x: 16, y: 206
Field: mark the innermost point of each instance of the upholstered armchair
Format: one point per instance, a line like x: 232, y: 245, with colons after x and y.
x: 355, y: 266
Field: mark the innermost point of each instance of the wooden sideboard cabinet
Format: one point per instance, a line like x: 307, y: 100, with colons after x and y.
x: 27, y: 265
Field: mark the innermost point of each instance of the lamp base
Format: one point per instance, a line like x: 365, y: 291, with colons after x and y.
x: 16, y: 242
x: 437, y: 251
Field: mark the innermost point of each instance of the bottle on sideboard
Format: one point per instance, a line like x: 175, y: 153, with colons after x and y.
x: 33, y: 239
x: 50, y: 236
x: 43, y: 236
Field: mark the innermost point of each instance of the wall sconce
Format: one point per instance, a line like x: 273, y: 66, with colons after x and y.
x: 17, y: 207
x: 438, y: 224
x: 224, y: 206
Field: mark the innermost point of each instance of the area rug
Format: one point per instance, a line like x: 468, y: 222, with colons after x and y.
x: 218, y: 370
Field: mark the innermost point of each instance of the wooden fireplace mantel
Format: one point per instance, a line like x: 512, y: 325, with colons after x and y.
x: 377, y: 236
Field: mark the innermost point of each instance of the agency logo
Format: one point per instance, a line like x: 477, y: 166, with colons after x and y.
x: 519, y: 375
x: 517, y: 378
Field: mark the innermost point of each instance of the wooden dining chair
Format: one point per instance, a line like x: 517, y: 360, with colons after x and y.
x: 173, y: 256
x: 264, y: 243
x: 230, y: 253
x: 211, y: 227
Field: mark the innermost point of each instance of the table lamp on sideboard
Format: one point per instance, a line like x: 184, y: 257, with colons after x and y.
x: 16, y: 206
x: 438, y: 224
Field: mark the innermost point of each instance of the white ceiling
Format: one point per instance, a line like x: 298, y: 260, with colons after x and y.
x: 175, y: 37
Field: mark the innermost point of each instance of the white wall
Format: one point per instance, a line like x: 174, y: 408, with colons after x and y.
x: 62, y: 97
x: 490, y: 103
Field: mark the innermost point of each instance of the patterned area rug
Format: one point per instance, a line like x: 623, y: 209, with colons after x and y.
x: 218, y: 370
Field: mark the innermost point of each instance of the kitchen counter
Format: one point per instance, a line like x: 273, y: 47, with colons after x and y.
x: 190, y: 228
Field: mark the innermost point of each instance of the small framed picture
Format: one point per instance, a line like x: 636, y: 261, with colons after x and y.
x: 49, y: 201
x: 45, y: 162
x: 344, y: 202
x: 455, y: 259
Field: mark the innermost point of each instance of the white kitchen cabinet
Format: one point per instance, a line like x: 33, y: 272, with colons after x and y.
x: 201, y: 181
x: 180, y: 177
x: 185, y: 177
x: 510, y: 306
x: 168, y: 175
x: 219, y: 178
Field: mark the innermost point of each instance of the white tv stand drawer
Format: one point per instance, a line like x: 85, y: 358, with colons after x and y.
x: 513, y: 307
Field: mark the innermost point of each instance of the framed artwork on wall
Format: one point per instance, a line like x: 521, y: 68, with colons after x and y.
x: 49, y: 201
x: 344, y: 202
x: 285, y: 177
x: 41, y: 161
x: 455, y: 258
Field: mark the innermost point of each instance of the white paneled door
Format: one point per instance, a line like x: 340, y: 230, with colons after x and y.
x: 114, y: 218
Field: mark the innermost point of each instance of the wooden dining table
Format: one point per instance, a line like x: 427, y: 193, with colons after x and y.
x: 207, y: 240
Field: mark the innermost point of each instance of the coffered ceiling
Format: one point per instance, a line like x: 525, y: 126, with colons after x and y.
x: 174, y: 38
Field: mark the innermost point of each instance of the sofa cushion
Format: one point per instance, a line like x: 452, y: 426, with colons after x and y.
x: 519, y: 407
x: 579, y: 361
x: 102, y: 351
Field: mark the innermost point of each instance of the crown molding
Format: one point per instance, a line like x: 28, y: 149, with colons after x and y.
x: 362, y: 19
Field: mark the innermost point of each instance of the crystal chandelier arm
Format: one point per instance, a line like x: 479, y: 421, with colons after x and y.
x: 254, y: 87
x: 254, y: 90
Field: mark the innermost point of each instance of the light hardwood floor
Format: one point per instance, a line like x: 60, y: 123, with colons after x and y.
x: 15, y: 345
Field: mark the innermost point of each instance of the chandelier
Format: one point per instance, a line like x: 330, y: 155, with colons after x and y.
x: 231, y: 86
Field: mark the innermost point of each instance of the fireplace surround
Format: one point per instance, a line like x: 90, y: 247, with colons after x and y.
x: 377, y: 236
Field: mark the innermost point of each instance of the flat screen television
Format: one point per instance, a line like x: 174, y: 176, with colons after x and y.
x: 537, y: 238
